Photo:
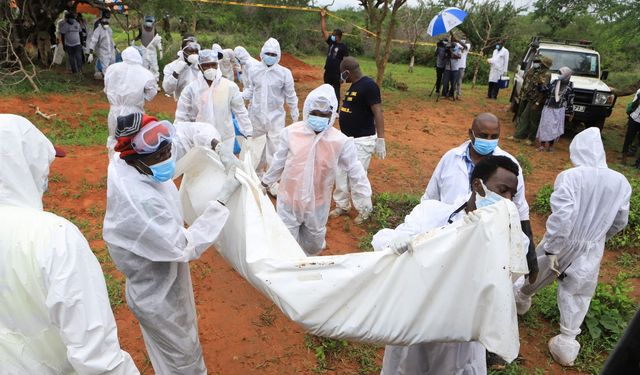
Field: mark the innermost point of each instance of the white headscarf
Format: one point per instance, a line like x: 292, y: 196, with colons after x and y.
x: 564, y: 76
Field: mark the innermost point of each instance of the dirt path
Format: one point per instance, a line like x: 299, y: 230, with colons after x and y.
x: 240, y: 330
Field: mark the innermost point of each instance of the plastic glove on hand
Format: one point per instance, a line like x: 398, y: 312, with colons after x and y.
x: 179, y: 67
x: 401, y: 244
x: 555, y: 266
x: 295, y: 116
x: 90, y: 58
x: 230, y: 186
x: 160, y: 55
x: 471, y: 217
x: 380, y: 150
x: 227, y: 158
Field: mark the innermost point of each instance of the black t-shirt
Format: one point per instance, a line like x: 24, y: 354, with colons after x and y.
x: 335, y: 53
x: 356, y: 116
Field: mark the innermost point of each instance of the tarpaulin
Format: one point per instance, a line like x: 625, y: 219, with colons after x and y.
x: 455, y: 286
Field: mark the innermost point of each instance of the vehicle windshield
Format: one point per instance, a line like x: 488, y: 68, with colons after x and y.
x: 582, y: 63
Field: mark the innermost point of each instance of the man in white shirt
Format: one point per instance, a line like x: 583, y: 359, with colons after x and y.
x: 499, y: 65
x: 462, y: 65
x: 450, y: 180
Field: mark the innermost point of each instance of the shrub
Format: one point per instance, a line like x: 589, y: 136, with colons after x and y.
x: 630, y: 236
x: 542, y: 202
x: 525, y: 164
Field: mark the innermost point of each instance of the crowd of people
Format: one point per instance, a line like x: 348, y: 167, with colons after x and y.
x: 51, y: 278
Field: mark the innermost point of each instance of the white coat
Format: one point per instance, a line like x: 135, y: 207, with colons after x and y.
x: 499, y: 64
x: 174, y: 86
x: 146, y: 237
x: 55, y: 316
x: 102, y: 44
x: 589, y: 204
x: 456, y: 358
x: 450, y: 183
x: 127, y: 85
x: 245, y: 66
x: 306, y: 165
x: 151, y: 55
x: 214, y: 105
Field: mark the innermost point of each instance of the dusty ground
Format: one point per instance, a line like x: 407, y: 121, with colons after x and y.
x: 240, y: 330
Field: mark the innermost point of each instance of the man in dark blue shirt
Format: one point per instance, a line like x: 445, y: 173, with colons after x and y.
x: 335, y: 53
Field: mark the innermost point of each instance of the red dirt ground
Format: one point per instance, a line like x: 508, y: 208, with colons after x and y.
x: 240, y: 330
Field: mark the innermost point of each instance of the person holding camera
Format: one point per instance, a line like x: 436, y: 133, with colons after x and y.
x: 452, y: 59
x: 462, y: 64
x: 440, y: 62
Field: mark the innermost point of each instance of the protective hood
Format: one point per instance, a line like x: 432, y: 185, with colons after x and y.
x: 586, y: 149
x: 242, y: 54
x: 25, y: 157
x: 132, y: 56
x: 272, y: 46
x: 322, y: 98
x: 216, y: 47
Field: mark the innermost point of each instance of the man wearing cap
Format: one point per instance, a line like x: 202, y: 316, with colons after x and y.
x: 335, y: 53
x: 56, y: 317
x: 213, y: 99
x: 183, y: 70
x: 532, y: 97
x: 146, y: 237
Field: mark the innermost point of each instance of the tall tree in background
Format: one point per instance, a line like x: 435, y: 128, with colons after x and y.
x: 377, y: 12
x: 414, y: 22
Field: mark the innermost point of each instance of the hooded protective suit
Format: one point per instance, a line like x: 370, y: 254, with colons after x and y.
x: 229, y: 64
x: 270, y: 87
x: 246, y: 61
x: 306, y: 164
x: 127, y: 85
x: 55, y: 316
x: 144, y: 231
x: 589, y: 204
x: 214, y: 105
x: 173, y: 85
x: 151, y: 52
x: 104, y: 46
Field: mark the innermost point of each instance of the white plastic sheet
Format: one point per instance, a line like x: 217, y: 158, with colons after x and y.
x: 455, y: 286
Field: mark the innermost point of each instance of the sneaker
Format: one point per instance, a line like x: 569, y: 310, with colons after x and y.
x: 338, y: 212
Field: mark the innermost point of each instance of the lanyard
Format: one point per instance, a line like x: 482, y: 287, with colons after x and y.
x: 457, y: 211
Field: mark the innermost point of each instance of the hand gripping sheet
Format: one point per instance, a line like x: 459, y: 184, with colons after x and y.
x: 455, y: 286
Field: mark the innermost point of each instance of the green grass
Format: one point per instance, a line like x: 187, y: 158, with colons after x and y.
x: 114, y: 290
x: 329, y: 353
x: 54, y: 81
x: 90, y: 131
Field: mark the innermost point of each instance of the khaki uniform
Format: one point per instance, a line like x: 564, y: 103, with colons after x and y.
x: 532, y: 99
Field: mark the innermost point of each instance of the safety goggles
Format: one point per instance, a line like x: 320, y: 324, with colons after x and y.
x: 149, y: 139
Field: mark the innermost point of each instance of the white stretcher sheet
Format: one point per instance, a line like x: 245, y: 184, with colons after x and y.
x: 455, y: 286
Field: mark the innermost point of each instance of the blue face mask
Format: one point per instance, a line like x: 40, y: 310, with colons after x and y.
x: 270, y: 60
x: 497, y: 46
x: 163, y: 171
x: 489, y: 197
x: 318, y: 123
x: 333, y: 38
x: 484, y: 146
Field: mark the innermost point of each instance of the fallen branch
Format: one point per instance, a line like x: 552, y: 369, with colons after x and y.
x: 46, y: 116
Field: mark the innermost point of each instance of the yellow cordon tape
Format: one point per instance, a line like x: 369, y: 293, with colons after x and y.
x: 317, y: 10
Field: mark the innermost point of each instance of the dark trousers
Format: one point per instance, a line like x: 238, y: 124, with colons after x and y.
x: 633, y: 131
x: 74, y: 54
x: 492, y: 91
x: 439, y: 72
x: 450, y: 78
x: 333, y: 80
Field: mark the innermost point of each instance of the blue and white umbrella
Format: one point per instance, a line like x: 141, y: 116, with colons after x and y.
x: 445, y: 21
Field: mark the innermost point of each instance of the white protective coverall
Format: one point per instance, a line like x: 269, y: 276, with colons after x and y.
x: 214, y: 105
x: 55, y: 316
x: 306, y: 163
x: 228, y: 64
x: 450, y: 183
x: 499, y: 64
x: 589, y: 204
x: 245, y: 60
x: 174, y: 86
x: 270, y: 87
x: 151, y: 53
x: 146, y: 237
x: 459, y: 358
x: 102, y: 44
x: 127, y: 85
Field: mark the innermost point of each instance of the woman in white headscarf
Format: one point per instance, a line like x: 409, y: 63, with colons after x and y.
x: 558, y: 106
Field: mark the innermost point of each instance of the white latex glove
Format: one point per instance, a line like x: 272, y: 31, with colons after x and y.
x: 161, y: 55
x: 180, y: 65
x: 228, y: 159
x: 471, y: 217
x: 555, y: 266
x: 90, y: 58
x: 230, y: 186
x: 380, y: 150
x: 294, y: 116
x: 401, y: 244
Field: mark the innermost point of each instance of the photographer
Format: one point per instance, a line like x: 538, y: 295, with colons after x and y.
x: 453, y: 53
x: 440, y: 62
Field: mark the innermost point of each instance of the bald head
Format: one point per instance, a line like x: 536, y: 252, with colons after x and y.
x: 485, y: 126
x: 350, y: 69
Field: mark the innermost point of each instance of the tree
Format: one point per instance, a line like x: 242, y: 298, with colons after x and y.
x: 377, y: 12
x: 558, y: 14
x: 414, y: 22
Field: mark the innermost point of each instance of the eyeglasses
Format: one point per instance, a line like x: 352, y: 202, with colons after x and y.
x: 149, y: 139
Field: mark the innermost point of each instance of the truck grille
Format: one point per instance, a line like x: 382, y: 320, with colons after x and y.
x: 583, y: 96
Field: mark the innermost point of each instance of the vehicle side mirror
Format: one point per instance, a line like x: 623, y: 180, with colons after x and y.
x: 604, y: 75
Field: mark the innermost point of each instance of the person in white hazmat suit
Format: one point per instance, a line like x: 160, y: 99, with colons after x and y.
x: 229, y: 65
x: 308, y: 154
x: 56, y: 317
x: 152, y: 43
x: 589, y: 204
x: 146, y: 237
x: 127, y: 85
x: 246, y: 61
x: 213, y: 99
x: 271, y: 86
x: 500, y: 174
x: 449, y: 182
x: 182, y: 71
x: 104, y: 46
x: 499, y: 65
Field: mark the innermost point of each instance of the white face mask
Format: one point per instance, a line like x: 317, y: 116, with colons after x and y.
x: 193, y: 58
x: 106, y: 27
x: 210, y: 74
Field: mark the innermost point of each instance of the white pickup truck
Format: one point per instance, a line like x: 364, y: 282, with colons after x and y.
x: 594, y: 100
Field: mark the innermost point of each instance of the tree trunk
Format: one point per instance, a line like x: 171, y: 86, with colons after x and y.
x: 412, y: 61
